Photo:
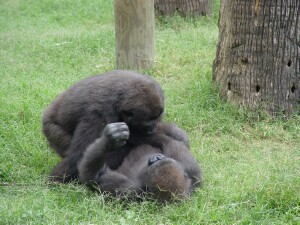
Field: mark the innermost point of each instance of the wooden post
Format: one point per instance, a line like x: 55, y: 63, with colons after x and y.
x: 134, y: 25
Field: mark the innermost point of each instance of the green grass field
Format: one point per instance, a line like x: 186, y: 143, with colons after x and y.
x: 250, y: 162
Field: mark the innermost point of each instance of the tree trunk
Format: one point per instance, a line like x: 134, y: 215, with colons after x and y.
x: 257, y: 62
x: 134, y: 25
x: 183, y: 7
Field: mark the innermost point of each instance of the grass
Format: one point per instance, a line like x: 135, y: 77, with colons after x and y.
x: 251, y: 163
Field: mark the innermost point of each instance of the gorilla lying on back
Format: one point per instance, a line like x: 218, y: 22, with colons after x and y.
x: 88, y: 125
x: 169, y: 172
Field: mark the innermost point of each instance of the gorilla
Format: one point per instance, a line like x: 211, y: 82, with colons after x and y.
x: 168, y: 172
x: 77, y: 117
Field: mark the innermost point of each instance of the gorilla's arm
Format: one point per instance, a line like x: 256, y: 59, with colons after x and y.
x: 92, y: 168
x: 173, y: 131
x: 114, y: 136
x: 93, y: 161
x: 115, y: 183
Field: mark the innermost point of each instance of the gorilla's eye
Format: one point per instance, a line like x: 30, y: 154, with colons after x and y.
x: 128, y: 114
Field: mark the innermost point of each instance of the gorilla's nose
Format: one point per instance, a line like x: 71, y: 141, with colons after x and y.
x: 155, y: 158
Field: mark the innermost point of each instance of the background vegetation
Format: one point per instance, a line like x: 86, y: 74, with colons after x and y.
x: 251, y: 163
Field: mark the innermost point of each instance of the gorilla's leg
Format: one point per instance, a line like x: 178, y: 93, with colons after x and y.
x: 58, y: 138
x: 87, y: 131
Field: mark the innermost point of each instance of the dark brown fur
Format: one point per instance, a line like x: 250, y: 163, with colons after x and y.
x: 174, y: 176
x: 78, y: 116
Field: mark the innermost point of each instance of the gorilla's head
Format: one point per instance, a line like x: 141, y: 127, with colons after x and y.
x: 166, y: 179
x: 143, y: 108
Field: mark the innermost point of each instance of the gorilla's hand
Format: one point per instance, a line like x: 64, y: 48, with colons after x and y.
x: 116, y: 135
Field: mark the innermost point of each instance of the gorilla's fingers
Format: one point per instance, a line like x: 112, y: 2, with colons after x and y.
x: 117, y: 134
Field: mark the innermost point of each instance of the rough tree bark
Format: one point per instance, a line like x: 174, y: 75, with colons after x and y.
x: 183, y: 7
x: 134, y: 26
x: 257, y: 62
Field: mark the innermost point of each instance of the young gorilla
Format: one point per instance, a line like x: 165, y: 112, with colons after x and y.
x: 77, y: 117
x: 169, y: 172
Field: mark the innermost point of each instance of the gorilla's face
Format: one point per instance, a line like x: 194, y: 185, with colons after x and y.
x: 166, y: 178
x: 142, y: 108
x: 142, y: 121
